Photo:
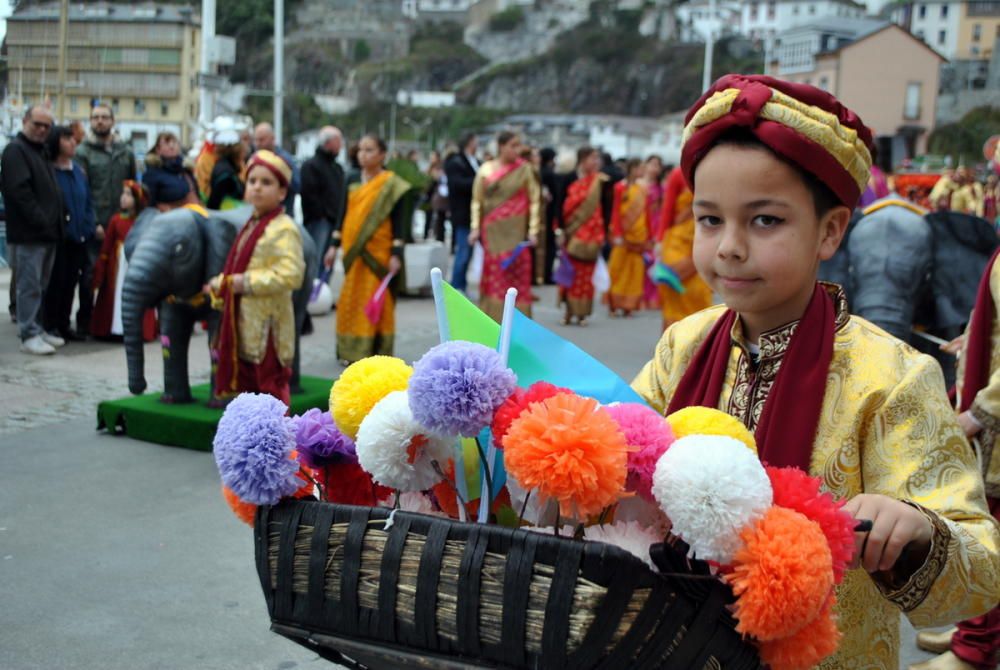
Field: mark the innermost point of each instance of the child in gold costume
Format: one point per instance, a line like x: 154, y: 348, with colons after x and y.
x: 776, y: 168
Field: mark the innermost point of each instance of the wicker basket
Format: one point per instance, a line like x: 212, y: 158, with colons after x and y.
x: 437, y: 593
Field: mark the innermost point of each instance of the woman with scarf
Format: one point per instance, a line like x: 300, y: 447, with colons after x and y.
x: 585, y: 209
x: 372, y: 233
x: 505, y: 218
x: 630, y: 239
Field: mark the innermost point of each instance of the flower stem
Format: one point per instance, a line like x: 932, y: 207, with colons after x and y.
x: 322, y: 491
x: 524, y: 507
x: 486, y: 473
x: 439, y: 471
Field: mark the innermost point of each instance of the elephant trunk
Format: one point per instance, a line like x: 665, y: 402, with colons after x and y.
x: 141, y: 290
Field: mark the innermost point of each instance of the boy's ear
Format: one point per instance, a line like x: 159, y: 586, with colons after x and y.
x: 833, y: 226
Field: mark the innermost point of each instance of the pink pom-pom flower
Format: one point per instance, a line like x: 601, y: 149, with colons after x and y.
x: 651, y: 435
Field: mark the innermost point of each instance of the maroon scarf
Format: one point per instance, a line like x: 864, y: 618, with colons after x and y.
x: 226, y: 352
x: 977, y: 346
x: 787, y: 427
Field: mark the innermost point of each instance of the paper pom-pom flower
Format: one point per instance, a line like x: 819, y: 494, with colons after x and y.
x: 244, y: 511
x: 347, y: 483
x: 796, y: 490
x: 569, y: 448
x: 805, y: 649
x: 519, y: 401
x: 711, y: 487
x: 646, y: 514
x: 650, y: 434
x: 397, y: 450
x: 253, y: 446
x: 629, y: 535
x: 319, y: 441
x: 457, y: 386
x: 412, y: 501
x: 362, y: 385
x: 782, y: 576
x: 708, y: 421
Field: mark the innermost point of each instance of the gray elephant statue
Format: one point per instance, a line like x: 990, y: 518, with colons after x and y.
x: 171, y: 255
x: 902, y: 269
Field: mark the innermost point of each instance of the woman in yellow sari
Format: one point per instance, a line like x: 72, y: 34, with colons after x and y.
x: 675, y: 253
x: 506, y: 210
x: 630, y: 238
x: 372, y: 233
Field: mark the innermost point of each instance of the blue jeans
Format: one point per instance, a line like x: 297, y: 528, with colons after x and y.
x: 320, y: 230
x: 463, y: 254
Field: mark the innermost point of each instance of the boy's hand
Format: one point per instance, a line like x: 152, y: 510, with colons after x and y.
x: 894, y: 526
x: 955, y: 346
x: 969, y: 425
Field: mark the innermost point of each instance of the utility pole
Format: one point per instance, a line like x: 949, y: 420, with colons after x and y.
x: 279, y: 68
x: 205, y: 96
x: 61, y: 85
x: 706, y: 75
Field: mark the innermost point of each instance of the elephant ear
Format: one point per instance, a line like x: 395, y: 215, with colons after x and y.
x: 837, y: 269
x: 219, y: 230
x: 141, y: 225
x: 963, y: 244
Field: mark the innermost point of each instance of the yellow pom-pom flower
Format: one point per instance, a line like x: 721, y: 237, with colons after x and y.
x: 361, y: 386
x: 708, y: 421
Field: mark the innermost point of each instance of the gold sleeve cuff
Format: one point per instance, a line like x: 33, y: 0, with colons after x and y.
x: 914, y: 591
x: 985, y: 419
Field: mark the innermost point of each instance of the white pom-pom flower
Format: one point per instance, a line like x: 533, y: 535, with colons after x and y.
x: 631, y: 536
x: 711, y: 487
x: 396, y: 450
x: 412, y: 501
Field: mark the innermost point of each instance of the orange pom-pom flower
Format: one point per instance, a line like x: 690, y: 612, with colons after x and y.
x: 243, y: 510
x: 803, y: 650
x: 782, y: 576
x: 570, y: 449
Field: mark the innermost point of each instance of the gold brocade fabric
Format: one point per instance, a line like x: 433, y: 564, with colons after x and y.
x: 275, y: 270
x: 986, y: 406
x: 357, y: 337
x: 479, y: 208
x: 886, y: 427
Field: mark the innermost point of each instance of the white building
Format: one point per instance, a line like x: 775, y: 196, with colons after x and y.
x: 434, y: 99
x: 936, y: 23
x: 797, y: 49
x: 437, y: 10
x: 759, y: 19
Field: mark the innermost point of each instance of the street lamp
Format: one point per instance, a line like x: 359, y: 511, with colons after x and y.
x: 417, y: 126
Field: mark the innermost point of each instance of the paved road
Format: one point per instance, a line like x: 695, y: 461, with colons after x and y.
x: 118, y: 554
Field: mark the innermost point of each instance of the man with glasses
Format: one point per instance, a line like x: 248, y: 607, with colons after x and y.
x: 107, y: 162
x: 34, y: 225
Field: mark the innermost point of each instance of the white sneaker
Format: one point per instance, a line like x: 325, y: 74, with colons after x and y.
x: 53, y: 340
x: 37, y: 346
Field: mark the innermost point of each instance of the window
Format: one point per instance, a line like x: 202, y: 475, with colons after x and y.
x: 911, y: 106
x: 977, y: 32
x: 114, y: 105
x: 824, y: 83
x: 139, y: 107
x: 922, y: 11
x: 753, y: 11
x: 164, y: 109
x: 795, y: 10
x: 920, y: 35
x: 942, y: 36
x: 812, y: 9
x: 944, y: 11
x: 770, y: 10
x: 73, y: 104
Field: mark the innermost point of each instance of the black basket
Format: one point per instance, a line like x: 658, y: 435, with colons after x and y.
x: 437, y: 593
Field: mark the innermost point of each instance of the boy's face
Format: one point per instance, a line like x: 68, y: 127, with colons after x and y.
x: 264, y: 191
x: 758, y: 241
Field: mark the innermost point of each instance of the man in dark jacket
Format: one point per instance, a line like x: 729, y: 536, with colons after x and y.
x: 34, y: 225
x: 460, y: 172
x: 323, y: 192
x: 107, y: 162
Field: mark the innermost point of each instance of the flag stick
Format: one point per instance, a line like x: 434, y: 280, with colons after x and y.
x: 503, y: 347
x: 445, y: 335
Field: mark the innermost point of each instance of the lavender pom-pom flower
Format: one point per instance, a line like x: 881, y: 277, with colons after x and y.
x: 319, y: 441
x: 253, y: 446
x: 457, y: 387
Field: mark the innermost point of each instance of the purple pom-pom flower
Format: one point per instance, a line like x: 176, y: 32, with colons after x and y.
x: 457, y: 387
x: 319, y: 441
x: 253, y: 446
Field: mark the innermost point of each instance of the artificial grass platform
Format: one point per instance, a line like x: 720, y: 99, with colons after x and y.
x: 191, y: 425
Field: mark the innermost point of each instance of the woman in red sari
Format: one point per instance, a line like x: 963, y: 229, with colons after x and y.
x: 584, y: 210
x: 506, y: 206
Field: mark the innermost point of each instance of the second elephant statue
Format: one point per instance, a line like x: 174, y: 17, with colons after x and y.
x: 171, y: 255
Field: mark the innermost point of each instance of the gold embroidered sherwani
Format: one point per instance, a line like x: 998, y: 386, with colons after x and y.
x: 986, y: 407
x: 275, y: 270
x: 886, y: 427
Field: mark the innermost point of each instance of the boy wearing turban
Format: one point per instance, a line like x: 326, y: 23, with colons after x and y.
x: 255, y: 344
x: 776, y: 169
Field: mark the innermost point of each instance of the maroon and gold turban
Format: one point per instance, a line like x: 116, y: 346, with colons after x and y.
x: 273, y: 162
x: 801, y: 123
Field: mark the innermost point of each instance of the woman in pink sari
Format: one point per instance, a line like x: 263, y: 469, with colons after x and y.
x: 506, y: 205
